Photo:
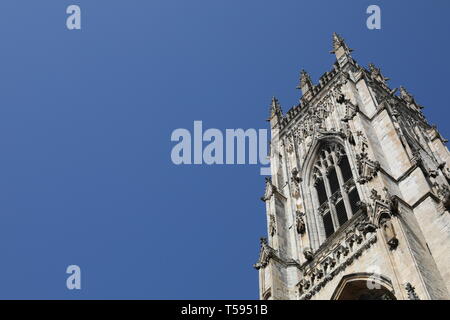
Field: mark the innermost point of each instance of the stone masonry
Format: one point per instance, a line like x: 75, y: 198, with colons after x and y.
x: 358, y: 200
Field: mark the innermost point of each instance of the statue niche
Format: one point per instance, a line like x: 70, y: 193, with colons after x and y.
x: 388, y: 231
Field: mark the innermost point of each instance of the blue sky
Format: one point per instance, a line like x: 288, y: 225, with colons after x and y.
x: 86, y: 117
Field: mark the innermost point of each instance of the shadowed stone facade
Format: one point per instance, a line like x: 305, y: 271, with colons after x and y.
x: 358, y: 202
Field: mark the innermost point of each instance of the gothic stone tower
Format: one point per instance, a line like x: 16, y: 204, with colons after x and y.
x: 359, y: 198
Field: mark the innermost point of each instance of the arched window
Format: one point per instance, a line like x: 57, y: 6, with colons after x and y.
x: 336, y: 196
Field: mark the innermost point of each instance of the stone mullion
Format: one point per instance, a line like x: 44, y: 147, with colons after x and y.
x: 330, y: 203
x: 318, y: 219
x: 344, y: 193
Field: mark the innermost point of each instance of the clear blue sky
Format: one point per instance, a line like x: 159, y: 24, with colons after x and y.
x: 86, y: 118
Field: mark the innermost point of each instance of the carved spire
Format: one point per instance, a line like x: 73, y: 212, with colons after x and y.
x: 409, y: 99
x: 341, y: 50
x: 376, y: 74
x: 275, y: 108
x: 265, y: 254
x: 305, y: 82
x: 405, y: 95
x: 338, y: 42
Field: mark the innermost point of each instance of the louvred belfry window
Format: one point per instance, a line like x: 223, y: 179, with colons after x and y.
x: 336, y: 196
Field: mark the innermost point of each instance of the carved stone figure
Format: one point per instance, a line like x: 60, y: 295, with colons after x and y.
x: 389, y: 232
x: 367, y: 169
x: 360, y: 165
x: 307, y: 252
x: 444, y: 195
x: 300, y: 222
x: 272, y: 225
x: 375, y: 73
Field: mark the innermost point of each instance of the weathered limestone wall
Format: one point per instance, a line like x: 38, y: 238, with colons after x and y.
x: 435, y: 226
x: 401, y: 170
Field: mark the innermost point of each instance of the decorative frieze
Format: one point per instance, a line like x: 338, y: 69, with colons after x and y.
x: 334, y: 263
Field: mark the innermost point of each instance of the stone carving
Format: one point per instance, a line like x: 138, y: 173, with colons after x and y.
x: 328, y: 262
x: 300, y: 222
x: 280, y: 176
x: 432, y: 173
x: 374, y: 195
x: 375, y: 74
x: 412, y: 295
x: 365, y: 208
x: 367, y: 169
x: 334, y: 262
x: 289, y: 144
x: 444, y: 195
x: 388, y: 231
x: 306, y: 86
x: 433, y: 133
x: 295, y: 175
x: 338, y: 42
x: 272, y: 225
x: 307, y: 252
x: 350, y: 109
x: 353, y: 238
x: 363, y: 144
x: 275, y: 108
x: 317, y: 176
x: 329, y: 115
x: 341, y: 250
x: 416, y: 157
x: 446, y: 172
x: 348, y: 133
x: 410, y: 101
x: 365, y: 226
x: 391, y: 201
x: 295, y: 189
x: 305, y: 81
x: 303, y: 285
x: 317, y: 273
x: 405, y: 95
x: 265, y: 254
x: 313, y: 122
x: 269, y: 191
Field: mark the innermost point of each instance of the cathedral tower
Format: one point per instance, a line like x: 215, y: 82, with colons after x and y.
x: 358, y: 202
